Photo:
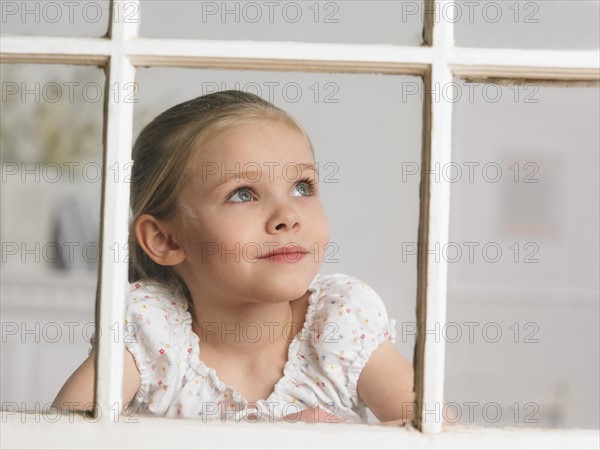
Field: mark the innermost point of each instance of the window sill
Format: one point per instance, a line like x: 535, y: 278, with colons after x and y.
x: 74, y: 431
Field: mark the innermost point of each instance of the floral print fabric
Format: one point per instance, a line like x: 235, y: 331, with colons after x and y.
x: 345, y: 322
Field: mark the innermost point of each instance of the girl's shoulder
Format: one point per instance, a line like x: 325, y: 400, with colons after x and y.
x: 154, y: 315
x: 345, y: 296
x: 149, y: 290
x: 348, y: 323
x: 347, y: 313
x: 157, y: 334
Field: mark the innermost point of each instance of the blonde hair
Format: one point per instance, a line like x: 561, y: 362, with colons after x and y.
x: 161, y: 161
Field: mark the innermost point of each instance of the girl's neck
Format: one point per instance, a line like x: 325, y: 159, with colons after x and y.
x: 249, y: 331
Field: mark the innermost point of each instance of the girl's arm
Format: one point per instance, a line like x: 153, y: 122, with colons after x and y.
x: 77, y: 394
x: 386, y: 385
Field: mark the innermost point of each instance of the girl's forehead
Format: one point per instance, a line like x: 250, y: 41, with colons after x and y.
x: 255, y: 143
x: 254, y: 151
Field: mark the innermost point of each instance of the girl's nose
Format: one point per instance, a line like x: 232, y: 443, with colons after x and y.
x: 285, y: 218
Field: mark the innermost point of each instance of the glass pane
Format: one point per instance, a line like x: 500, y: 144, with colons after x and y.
x: 57, y: 18
x: 349, y: 21
x: 51, y: 140
x: 363, y: 129
x: 544, y: 24
x: 523, y: 287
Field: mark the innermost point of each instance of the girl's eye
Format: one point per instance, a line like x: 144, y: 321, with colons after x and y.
x: 306, y: 187
x: 244, y: 194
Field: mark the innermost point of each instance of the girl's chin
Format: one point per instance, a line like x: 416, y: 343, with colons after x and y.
x: 288, y: 287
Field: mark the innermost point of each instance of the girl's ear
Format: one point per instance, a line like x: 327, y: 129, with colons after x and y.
x: 157, y: 241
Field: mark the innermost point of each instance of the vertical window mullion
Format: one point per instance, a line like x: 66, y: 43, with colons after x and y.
x: 434, y: 221
x: 113, y: 279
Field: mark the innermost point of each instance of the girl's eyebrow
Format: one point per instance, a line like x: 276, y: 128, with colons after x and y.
x: 238, y: 175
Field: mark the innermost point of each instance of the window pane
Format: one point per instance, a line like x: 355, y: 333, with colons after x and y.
x: 363, y: 128
x: 544, y: 24
x: 51, y: 140
x: 523, y: 256
x: 57, y: 18
x: 356, y: 22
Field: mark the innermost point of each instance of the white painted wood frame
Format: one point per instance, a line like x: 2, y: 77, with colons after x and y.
x: 437, y: 61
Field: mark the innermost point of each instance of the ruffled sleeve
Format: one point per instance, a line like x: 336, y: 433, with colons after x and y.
x: 350, y: 324
x: 155, y: 334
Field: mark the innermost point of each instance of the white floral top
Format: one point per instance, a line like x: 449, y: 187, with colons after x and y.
x: 345, y: 322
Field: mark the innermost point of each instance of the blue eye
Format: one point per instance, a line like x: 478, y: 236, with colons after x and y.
x: 310, y: 186
x: 305, y: 186
x: 245, y: 194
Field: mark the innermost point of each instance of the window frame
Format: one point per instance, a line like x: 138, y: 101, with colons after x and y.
x: 437, y: 61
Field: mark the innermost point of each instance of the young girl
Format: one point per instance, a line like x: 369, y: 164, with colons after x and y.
x: 230, y: 316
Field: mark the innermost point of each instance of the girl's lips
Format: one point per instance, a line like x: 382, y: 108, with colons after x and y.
x: 290, y: 253
x: 287, y: 257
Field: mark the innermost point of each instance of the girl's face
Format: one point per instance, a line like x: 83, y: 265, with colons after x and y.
x: 228, y: 221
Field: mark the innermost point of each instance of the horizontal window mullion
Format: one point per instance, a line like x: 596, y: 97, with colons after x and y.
x: 54, y: 50
x: 548, y: 64
x: 516, y: 63
x: 279, y: 56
